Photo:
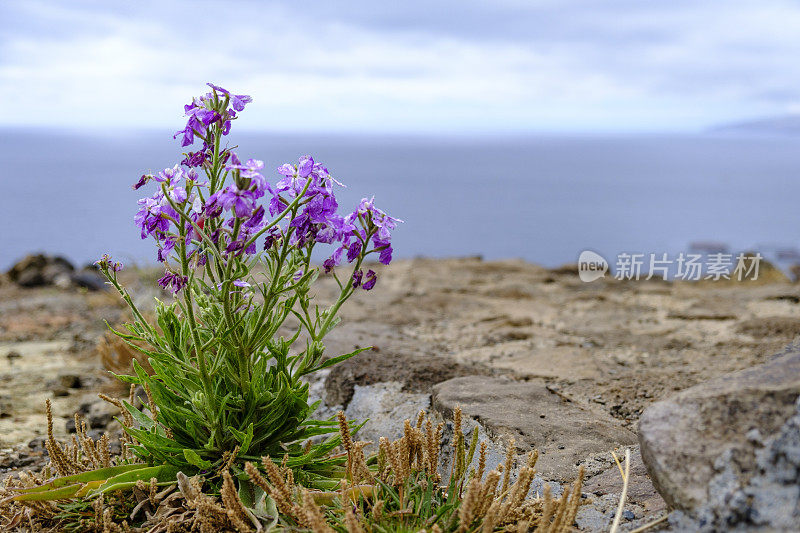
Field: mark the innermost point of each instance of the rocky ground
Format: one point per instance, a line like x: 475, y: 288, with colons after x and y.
x: 530, y: 354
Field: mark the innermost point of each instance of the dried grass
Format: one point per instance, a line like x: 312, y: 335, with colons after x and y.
x: 380, y: 493
x: 118, y: 356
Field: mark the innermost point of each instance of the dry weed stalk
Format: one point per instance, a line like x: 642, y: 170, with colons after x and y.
x: 117, y: 355
x: 489, y: 503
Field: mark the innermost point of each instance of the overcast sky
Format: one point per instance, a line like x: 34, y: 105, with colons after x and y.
x: 402, y: 66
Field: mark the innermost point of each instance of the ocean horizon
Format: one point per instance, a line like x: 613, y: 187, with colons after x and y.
x: 543, y: 198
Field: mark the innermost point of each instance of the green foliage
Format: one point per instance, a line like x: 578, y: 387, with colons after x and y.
x: 253, y: 399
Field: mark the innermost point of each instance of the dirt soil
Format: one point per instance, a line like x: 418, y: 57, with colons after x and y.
x: 618, y: 344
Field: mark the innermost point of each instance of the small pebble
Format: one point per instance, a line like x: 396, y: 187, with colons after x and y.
x: 628, y: 515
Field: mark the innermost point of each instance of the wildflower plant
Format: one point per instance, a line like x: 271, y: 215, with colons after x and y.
x: 227, y: 378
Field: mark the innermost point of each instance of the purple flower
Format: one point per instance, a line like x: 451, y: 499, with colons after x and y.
x: 385, y: 255
x: 236, y: 283
x: 353, y: 251
x: 242, y: 202
x: 153, y: 215
x: 238, y: 101
x: 170, y: 176
x: 213, y: 207
x: 193, y: 126
x: 165, y: 248
x: 144, y: 179
x: 207, y: 116
x: 250, y: 171
x: 194, y: 159
x: 357, y: 275
x: 178, y: 195
x: 255, y: 220
x: 173, y: 282
x: 295, y: 177
x: 218, y: 88
x: 237, y: 247
x: 286, y: 170
x: 328, y: 264
x: 273, y: 234
x: 305, y: 165
x: 276, y: 205
x: 106, y: 262
x: 369, y: 280
x: 379, y: 219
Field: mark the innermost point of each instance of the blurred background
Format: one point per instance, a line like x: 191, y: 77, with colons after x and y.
x: 512, y: 128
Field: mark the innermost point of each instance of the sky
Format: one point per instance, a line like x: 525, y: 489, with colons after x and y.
x: 417, y: 66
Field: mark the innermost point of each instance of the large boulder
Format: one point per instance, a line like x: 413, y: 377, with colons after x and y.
x: 709, y: 446
x: 37, y: 269
x: 564, y: 432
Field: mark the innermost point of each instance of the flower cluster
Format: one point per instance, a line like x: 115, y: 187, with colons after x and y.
x: 207, y: 110
x: 225, y: 215
x: 106, y: 263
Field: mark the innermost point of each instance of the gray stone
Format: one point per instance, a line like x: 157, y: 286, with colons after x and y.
x: 98, y: 413
x: 68, y: 381
x: 566, y: 435
x: 640, y: 489
x: 385, y: 407
x: 590, y: 519
x: 768, y: 501
x: 705, y: 433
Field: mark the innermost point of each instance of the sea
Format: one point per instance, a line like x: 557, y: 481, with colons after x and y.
x: 542, y: 198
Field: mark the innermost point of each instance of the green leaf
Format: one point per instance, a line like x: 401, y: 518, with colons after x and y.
x: 61, y: 493
x: 334, y: 360
x: 164, y: 474
x: 144, y: 421
x: 84, y: 477
x: 193, y: 459
x: 244, y: 438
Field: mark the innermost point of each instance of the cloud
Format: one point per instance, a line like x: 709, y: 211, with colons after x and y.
x: 416, y: 66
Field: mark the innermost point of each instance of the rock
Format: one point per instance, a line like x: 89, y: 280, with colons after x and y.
x: 13, y: 459
x: 766, y: 499
x: 98, y: 413
x: 37, y: 444
x: 567, y: 434
x: 415, y: 373
x: 385, y: 407
x: 590, y: 519
x: 30, y: 278
x: 37, y: 269
x: 640, y: 489
x: 67, y: 381
x: 687, y: 440
x: 63, y: 281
